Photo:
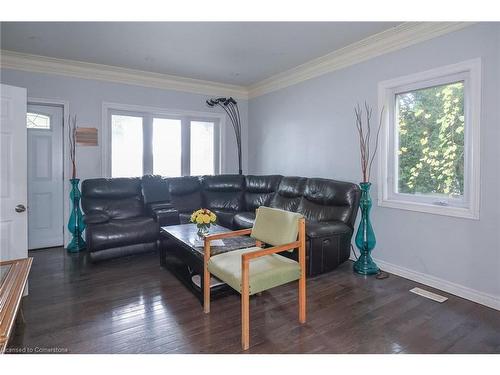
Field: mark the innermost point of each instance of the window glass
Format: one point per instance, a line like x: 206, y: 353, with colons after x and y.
x: 430, y: 131
x: 37, y: 121
x: 202, y: 148
x: 126, y: 146
x: 167, y: 147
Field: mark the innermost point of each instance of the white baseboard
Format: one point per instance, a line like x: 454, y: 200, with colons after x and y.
x: 441, y: 284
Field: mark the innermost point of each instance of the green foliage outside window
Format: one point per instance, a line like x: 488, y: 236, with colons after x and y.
x: 431, y: 140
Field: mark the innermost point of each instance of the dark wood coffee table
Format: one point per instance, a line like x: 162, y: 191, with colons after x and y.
x: 181, y: 252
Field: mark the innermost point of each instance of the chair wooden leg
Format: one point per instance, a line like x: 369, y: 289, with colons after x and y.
x: 302, y: 280
x: 245, y: 307
x: 206, y: 290
x: 245, y: 321
x: 302, y: 299
x: 206, y: 277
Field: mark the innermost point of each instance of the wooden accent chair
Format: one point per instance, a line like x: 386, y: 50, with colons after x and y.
x: 255, y: 269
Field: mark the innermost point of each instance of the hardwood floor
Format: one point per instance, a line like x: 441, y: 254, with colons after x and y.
x: 131, y: 305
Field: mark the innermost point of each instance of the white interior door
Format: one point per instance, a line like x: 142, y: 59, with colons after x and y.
x: 13, y: 174
x: 45, y: 176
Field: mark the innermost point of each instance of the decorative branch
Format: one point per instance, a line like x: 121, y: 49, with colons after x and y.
x: 72, y: 144
x: 230, y: 106
x: 364, y: 133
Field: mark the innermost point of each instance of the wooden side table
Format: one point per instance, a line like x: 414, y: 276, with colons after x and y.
x: 13, y: 279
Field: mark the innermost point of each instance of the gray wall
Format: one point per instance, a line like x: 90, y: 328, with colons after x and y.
x: 86, y: 97
x: 308, y: 130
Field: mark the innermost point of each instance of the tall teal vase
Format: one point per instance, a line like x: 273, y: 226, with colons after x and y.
x: 365, y: 237
x: 76, y: 224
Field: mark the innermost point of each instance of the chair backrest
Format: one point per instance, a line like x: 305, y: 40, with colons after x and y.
x: 276, y: 227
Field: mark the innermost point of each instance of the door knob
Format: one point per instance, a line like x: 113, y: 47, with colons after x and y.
x: 20, y: 208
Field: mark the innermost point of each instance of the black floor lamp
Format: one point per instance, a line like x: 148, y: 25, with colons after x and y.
x: 231, y: 107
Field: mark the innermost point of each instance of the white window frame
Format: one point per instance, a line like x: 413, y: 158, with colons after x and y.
x: 470, y: 73
x: 148, y: 113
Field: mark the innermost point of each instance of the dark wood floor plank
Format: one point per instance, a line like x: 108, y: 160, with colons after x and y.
x: 131, y: 305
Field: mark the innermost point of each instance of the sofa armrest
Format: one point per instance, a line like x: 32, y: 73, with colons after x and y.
x: 96, y: 217
x: 166, y: 216
x: 327, y: 229
x: 160, y: 206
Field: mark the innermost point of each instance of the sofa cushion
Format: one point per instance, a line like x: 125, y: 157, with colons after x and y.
x: 225, y: 218
x: 264, y: 272
x: 115, y: 208
x: 289, y: 193
x: 326, y: 229
x: 111, y: 188
x: 185, y: 193
x: 155, y: 189
x: 96, y: 217
x: 214, y: 200
x: 123, y: 232
x: 119, y: 198
x: 244, y: 220
x: 328, y: 200
x: 185, y: 217
x: 224, y: 192
x: 224, y: 182
x: 259, y: 190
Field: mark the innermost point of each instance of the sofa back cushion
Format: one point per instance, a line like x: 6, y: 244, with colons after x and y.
x: 155, y: 189
x: 223, y: 192
x: 119, y: 198
x: 289, y: 193
x: 260, y: 190
x: 185, y: 193
x: 329, y: 200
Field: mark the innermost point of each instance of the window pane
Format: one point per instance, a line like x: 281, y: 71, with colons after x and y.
x: 126, y: 146
x: 167, y: 147
x: 431, y: 141
x: 37, y: 121
x: 202, y: 148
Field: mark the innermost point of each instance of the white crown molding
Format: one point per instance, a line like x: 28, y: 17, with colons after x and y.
x: 473, y: 295
x: 79, y: 69
x: 401, y: 36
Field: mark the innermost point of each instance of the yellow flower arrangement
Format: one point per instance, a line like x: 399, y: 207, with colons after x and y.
x: 203, y: 218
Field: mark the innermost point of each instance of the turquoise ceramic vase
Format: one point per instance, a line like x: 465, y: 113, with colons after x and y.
x: 365, y: 237
x: 76, y: 224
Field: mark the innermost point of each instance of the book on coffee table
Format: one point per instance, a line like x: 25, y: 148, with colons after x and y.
x: 214, y: 282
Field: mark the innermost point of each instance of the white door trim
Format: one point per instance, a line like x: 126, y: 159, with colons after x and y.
x: 66, y: 162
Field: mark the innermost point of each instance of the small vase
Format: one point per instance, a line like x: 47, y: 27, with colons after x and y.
x: 76, y: 224
x: 202, y: 229
x: 365, y: 237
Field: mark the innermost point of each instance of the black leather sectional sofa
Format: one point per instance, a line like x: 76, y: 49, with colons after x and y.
x: 123, y: 215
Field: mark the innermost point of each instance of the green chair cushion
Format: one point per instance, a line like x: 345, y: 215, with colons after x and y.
x: 265, y: 272
x: 276, y: 227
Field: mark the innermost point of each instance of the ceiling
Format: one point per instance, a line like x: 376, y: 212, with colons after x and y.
x: 240, y: 53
